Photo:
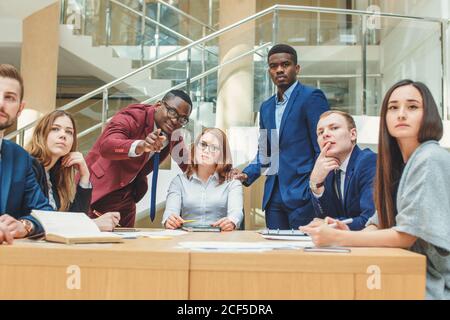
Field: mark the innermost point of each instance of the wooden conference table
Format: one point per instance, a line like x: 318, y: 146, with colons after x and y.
x: 156, y: 269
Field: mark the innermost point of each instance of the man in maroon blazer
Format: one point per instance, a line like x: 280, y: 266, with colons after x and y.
x: 122, y: 157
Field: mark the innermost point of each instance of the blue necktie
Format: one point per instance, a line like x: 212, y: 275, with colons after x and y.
x: 337, y: 176
x: 154, y: 181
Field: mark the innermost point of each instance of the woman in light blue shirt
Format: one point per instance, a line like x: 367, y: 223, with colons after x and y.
x: 202, y: 193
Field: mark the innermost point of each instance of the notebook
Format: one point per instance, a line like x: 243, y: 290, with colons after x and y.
x: 72, y: 227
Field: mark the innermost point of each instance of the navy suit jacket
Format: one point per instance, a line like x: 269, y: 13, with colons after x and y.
x: 293, y: 153
x: 19, y: 190
x: 358, y: 191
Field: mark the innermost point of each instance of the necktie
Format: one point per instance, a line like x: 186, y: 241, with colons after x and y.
x: 337, y: 179
x: 154, y: 181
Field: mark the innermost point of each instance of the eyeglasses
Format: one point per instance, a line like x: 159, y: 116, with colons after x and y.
x: 173, y: 114
x: 212, y: 148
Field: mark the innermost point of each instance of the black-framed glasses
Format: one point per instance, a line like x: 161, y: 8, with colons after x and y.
x: 212, y: 148
x: 173, y: 114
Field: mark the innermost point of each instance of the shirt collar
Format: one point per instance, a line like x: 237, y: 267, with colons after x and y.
x: 214, y: 176
x: 286, y: 94
x: 344, y: 164
x: 155, y: 127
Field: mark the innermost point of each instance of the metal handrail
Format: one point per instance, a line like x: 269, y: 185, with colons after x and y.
x: 208, y: 72
x: 186, y: 15
x: 112, y: 84
x: 181, y: 85
x: 272, y: 9
x: 179, y: 35
x: 159, y: 25
x: 144, y: 18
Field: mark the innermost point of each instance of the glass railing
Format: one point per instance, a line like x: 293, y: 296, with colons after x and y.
x: 134, y: 23
x: 353, y: 73
x: 354, y: 57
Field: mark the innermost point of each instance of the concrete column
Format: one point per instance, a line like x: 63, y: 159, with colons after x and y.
x: 235, y: 83
x: 39, y: 62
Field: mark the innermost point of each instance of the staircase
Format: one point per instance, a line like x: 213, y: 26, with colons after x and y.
x: 119, y: 36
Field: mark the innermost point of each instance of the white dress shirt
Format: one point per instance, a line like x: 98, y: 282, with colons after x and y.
x: 193, y: 199
x: 343, y: 169
x: 132, y: 152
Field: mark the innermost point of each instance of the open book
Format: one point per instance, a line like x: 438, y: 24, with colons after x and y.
x: 72, y: 227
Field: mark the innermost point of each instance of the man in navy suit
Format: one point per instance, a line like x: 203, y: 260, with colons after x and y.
x: 19, y: 190
x: 342, y: 179
x: 287, y: 144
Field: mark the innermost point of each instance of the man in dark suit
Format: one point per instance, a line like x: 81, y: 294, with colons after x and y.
x: 342, y: 179
x: 288, y: 143
x: 19, y: 190
x: 133, y: 143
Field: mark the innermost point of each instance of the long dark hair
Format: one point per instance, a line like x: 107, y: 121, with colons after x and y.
x: 390, y: 161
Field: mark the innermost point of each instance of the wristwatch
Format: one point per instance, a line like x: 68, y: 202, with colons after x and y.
x: 28, y: 225
x: 315, y: 186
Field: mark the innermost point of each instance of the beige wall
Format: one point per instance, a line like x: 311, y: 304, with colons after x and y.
x: 39, y: 62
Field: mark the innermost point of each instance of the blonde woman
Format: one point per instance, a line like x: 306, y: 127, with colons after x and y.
x: 202, y: 193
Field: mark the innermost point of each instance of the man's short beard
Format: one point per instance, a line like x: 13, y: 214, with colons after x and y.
x: 6, y: 125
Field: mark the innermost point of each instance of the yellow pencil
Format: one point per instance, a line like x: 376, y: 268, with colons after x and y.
x: 188, y: 221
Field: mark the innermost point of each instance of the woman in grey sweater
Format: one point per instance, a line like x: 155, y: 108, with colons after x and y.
x: 412, y: 188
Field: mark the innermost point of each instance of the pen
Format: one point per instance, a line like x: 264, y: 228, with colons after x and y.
x: 346, y: 221
x: 98, y: 214
x: 188, y: 221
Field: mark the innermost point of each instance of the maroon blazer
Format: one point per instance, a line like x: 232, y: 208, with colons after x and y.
x: 108, y: 161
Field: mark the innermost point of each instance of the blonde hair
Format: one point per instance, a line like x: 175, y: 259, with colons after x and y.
x: 37, y: 147
x: 350, y: 121
x: 347, y: 116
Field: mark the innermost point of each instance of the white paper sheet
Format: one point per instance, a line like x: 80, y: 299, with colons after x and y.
x: 244, y: 246
x: 151, y: 234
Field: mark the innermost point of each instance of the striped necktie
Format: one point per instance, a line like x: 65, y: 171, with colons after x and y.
x: 337, y: 180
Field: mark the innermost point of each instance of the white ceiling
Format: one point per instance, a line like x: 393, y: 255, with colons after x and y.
x: 20, y: 9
